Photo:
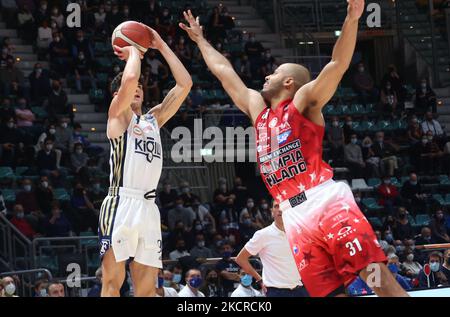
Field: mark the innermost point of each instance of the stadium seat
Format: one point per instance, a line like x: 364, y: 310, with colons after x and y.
x: 88, y: 242
x: 374, y: 182
x: 444, y: 180
x: 61, y: 194
x: 360, y: 184
x: 371, y: 204
x: 6, y: 173
x: 20, y: 170
x: 96, y: 95
x: 39, y: 112
x: 447, y: 200
x: 357, y: 109
x: 375, y: 222
x: 9, y: 195
x: 396, y: 182
x: 327, y: 110
x: 422, y: 220
x: 439, y: 199
x: 48, y: 262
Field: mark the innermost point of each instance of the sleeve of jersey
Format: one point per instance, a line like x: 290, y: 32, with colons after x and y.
x: 254, y: 245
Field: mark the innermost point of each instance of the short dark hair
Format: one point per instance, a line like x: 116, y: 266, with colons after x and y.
x: 435, y: 254
x: 117, y: 81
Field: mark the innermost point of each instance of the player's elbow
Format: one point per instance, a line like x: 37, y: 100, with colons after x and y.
x: 187, y: 83
x: 130, y: 78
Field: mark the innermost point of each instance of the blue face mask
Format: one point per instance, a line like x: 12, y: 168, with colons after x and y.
x: 166, y: 283
x: 176, y: 278
x: 393, y: 268
x: 195, y: 282
x: 226, y: 255
x: 160, y: 282
x: 435, y: 266
x: 246, y: 280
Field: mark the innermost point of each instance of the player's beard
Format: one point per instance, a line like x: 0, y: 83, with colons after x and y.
x: 271, y: 91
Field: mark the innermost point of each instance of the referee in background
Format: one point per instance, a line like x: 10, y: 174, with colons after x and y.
x: 280, y: 277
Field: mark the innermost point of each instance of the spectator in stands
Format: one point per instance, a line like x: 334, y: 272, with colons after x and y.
x: 8, y: 287
x: 394, y: 267
x: 180, y: 250
x: 388, y: 195
x: 59, y: 53
x: 11, y: 140
x: 389, y: 99
x: 364, y: 85
x: 9, y: 11
x: 425, y: 97
x: 393, y: 77
x: 97, y: 192
x: 18, y: 91
x: 336, y: 139
x: 245, y: 288
x: 186, y: 194
x: 415, y: 132
x: 348, y: 129
x: 212, y: 287
x: 44, y: 37
x: 165, y: 25
x: 433, y: 126
x: 78, y: 158
x: 25, y: 118
x: 26, y: 24
x: 269, y: 63
x: 413, y: 195
x: 403, y: 230
x: 251, y: 216
x: 386, y: 152
x: 431, y: 157
x: 410, y: 267
x: 179, y: 233
x: 228, y: 269
x: 83, y: 72
x: 216, y: 27
x: 372, y: 161
x: 39, y: 84
x: 353, y: 158
x: 58, y: 17
x: 203, y: 215
x: 19, y: 221
x: 64, y: 136
x: 243, y: 68
x: 56, y: 289
x: 167, y: 196
x: 162, y: 290
x: 446, y: 266
x: 86, y: 215
x: 438, y: 227
x: 57, y: 105
x: 44, y: 195
x: 183, y: 51
x: 10, y: 74
x: 383, y: 243
x: 96, y: 290
x: 48, y: 133
x: 57, y: 225
x: 254, y: 50
x: 436, y: 278
x: 193, y: 283
x: 81, y: 44
x: 42, y: 13
x: 180, y: 213
x: 40, y: 288
x: 100, y: 19
x: 221, y: 195
x: 150, y: 86
x: 248, y: 228
x: 240, y: 192
x: 425, y: 237
x: 200, y: 250
x: 6, y: 110
x: 27, y: 197
x: 231, y: 213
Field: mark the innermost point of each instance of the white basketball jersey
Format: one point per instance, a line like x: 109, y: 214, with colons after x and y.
x: 136, y: 156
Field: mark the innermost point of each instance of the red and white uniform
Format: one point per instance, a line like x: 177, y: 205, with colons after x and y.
x: 330, y: 238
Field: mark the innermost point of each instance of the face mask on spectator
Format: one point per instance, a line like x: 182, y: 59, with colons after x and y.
x: 97, y: 186
x: 435, y: 266
x: 43, y: 293
x: 52, y: 131
x: 165, y: 13
x: 44, y: 184
x: 49, y: 147
x: 10, y: 125
x: 410, y: 257
x: 414, y: 183
x: 335, y: 124
x: 44, y: 7
x: 64, y: 125
x: 250, y: 205
x: 430, y: 138
x: 361, y: 69
x: 225, y: 227
x: 354, y: 141
x: 201, y: 244
x: 167, y: 283
x: 358, y: 199
x: 160, y: 282
x: 126, y: 12
x: 423, y: 85
x: 176, y: 278
x: 199, y: 227
x: 349, y: 123
x: 27, y: 188
x: 20, y: 215
x: 264, y: 206
x: 247, y: 222
x: 387, y: 181
x: 389, y: 237
x: 10, y: 289
x: 424, y: 141
x: 117, y: 69
x: 246, y: 280
x: 252, y: 39
x: 195, y: 282
x: 79, y: 151
x: 186, y: 190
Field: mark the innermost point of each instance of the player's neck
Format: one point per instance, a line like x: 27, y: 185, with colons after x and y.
x: 275, y: 101
x: 279, y: 225
x: 138, y: 112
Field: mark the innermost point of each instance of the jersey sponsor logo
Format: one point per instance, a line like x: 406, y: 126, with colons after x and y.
x: 281, y: 151
x: 149, y: 148
x: 105, y: 244
x: 137, y: 131
x: 286, y: 117
x: 297, y: 200
x: 273, y: 123
x: 264, y: 116
x: 282, y: 138
x: 295, y: 249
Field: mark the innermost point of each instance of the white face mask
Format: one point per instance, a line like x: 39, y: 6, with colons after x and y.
x: 45, y: 184
x: 410, y: 257
x: 43, y: 293
x: 335, y: 124
x: 264, y: 206
x: 10, y: 289
x: 27, y: 188
x: 52, y: 131
x: 49, y: 147
x: 64, y: 125
x: 79, y: 151
x: 250, y: 205
x: 10, y: 125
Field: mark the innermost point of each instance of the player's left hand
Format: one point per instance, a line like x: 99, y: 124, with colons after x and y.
x: 157, y: 42
x: 355, y: 9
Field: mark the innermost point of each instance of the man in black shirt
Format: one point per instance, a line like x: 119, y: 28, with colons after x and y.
x: 412, y: 193
x: 228, y: 269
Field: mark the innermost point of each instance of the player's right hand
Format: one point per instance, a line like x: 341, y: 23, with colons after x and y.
x: 194, y: 30
x: 123, y: 53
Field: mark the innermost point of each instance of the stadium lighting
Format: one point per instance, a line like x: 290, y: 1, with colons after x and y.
x: 337, y: 33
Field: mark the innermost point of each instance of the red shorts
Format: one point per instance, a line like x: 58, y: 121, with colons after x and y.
x: 330, y: 238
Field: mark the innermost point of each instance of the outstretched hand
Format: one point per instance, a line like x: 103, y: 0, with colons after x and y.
x: 194, y: 30
x: 355, y: 9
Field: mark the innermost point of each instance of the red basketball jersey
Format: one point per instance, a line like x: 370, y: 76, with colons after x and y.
x: 289, y: 151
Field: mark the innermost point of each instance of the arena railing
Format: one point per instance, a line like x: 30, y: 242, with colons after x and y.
x: 15, y: 248
x: 26, y: 279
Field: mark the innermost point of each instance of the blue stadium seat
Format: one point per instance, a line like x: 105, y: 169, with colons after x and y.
x: 439, y: 199
x: 6, y: 173
x: 9, y: 195
x: 371, y: 204
x: 61, y: 194
x: 373, y: 182
x: 423, y: 220
x: 375, y: 222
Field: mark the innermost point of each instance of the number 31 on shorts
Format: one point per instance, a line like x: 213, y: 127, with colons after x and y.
x: 353, y: 246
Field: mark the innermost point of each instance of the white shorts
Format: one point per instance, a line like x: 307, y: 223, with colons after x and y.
x: 131, y: 225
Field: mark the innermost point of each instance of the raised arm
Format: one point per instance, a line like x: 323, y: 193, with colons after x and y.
x: 170, y: 105
x: 314, y: 95
x: 130, y: 79
x: 247, y: 100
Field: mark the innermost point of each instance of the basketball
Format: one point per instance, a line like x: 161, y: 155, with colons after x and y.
x: 132, y: 33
